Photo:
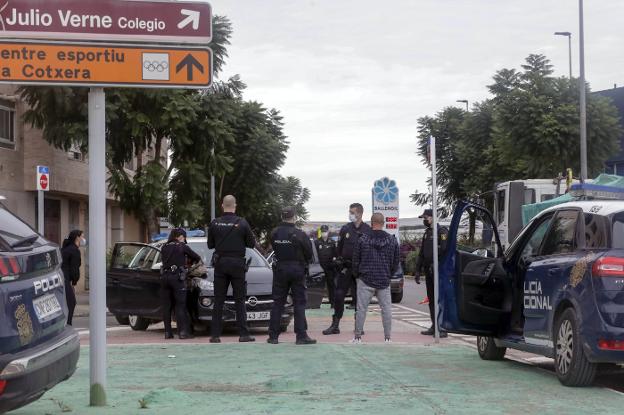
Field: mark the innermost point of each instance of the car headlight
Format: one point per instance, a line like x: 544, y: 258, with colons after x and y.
x: 289, y: 300
x: 206, y: 301
x: 206, y: 285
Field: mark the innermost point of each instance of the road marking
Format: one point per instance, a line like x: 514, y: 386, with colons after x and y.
x: 111, y: 329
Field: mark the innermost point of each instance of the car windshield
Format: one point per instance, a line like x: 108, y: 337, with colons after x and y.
x: 14, y: 232
x: 206, y: 254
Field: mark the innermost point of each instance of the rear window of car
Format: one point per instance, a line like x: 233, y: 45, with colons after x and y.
x: 201, y: 248
x: 617, y: 231
x: 13, y: 230
x: 596, y: 231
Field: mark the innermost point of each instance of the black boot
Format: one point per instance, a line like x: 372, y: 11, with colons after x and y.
x: 334, y: 328
x: 168, y: 335
x: 305, y: 339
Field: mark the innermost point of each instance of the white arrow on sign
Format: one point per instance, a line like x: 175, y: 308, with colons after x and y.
x: 192, y: 16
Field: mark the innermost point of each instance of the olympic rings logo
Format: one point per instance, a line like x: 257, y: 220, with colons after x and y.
x: 155, y: 66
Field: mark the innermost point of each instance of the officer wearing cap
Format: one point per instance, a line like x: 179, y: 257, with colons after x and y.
x: 229, y: 236
x: 349, y: 235
x: 293, y: 252
x: 175, y: 256
x: 327, y: 253
x: 425, y: 262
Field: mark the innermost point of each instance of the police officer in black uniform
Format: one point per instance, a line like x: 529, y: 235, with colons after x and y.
x: 327, y: 253
x: 425, y: 262
x: 229, y: 236
x: 349, y: 235
x: 175, y: 255
x: 293, y: 252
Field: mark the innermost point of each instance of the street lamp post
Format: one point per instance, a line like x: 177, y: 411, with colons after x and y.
x: 583, y: 97
x: 569, y: 36
x: 464, y: 101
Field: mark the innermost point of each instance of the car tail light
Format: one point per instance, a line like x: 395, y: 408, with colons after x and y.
x: 9, y: 269
x: 3, y: 384
x: 611, y: 344
x: 608, y: 267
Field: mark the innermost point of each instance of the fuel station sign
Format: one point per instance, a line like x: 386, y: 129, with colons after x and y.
x: 385, y: 195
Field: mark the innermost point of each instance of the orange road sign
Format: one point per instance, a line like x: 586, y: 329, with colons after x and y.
x: 74, y: 64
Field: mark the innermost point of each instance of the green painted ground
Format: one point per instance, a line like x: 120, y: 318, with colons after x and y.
x: 323, y: 379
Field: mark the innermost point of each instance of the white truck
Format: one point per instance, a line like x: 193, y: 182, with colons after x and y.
x: 509, y: 197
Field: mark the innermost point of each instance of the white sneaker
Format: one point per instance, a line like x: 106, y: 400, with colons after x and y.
x: 356, y: 340
x: 388, y: 341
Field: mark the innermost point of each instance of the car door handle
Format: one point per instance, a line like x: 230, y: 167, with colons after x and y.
x: 115, y: 281
x: 553, y: 271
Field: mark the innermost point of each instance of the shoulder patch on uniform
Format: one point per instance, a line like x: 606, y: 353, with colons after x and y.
x: 443, y: 237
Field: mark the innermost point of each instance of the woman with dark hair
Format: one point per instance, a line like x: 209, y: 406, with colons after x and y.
x: 175, y: 256
x: 71, y: 268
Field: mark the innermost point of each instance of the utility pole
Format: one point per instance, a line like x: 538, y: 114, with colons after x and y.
x: 583, y: 99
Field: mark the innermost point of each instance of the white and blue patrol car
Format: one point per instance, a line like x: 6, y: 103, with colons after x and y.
x: 557, y: 291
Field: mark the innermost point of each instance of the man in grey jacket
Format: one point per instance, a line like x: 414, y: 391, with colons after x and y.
x: 375, y: 259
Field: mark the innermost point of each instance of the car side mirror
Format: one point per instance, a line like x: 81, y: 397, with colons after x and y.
x: 157, y: 266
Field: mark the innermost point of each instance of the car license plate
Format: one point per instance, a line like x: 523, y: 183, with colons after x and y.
x: 259, y: 315
x: 46, y: 307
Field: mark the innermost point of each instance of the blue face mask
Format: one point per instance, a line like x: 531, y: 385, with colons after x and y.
x: 352, y: 217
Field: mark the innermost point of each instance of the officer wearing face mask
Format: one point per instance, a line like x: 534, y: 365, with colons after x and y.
x: 327, y: 253
x: 349, y: 235
x: 425, y: 262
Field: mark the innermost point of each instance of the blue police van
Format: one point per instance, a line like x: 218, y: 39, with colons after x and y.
x: 557, y: 291
x: 37, y: 348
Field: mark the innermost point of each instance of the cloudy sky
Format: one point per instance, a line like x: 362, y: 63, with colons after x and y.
x: 351, y: 77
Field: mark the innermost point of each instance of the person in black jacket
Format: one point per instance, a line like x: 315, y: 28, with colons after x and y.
x: 293, y: 251
x: 71, y: 268
x: 349, y: 235
x: 327, y: 253
x: 425, y: 263
x: 175, y: 255
x: 230, y: 236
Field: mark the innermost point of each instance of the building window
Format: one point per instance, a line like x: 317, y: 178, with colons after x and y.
x: 7, y: 127
x: 74, y: 153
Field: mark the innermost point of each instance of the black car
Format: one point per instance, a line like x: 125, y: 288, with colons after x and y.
x: 133, y: 285
x: 37, y: 349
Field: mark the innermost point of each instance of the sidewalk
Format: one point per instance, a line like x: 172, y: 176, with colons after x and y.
x: 327, y: 378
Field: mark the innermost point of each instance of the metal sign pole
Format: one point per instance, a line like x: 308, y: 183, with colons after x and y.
x: 434, y: 207
x: 40, y: 212
x: 97, y: 246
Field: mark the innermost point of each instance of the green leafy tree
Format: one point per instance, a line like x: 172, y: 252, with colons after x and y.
x: 528, y: 129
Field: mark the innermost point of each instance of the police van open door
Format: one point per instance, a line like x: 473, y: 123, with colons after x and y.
x: 475, y: 289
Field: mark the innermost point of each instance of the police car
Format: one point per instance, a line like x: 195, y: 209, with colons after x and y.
x: 557, y: 291
x: 37, y: 348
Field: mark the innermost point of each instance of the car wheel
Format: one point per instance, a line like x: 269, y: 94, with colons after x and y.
x: 488, y: 350
x: 138, y: 323
x: 571, y: 364
x: 397, y: 297
x: 122, y: 320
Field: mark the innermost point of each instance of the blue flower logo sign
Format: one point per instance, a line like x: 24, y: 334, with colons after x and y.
x: 385, y: 191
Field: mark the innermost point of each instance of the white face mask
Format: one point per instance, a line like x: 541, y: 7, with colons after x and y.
x: 352, y: 217
x: 325, y: 235
x: 83, y: 242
